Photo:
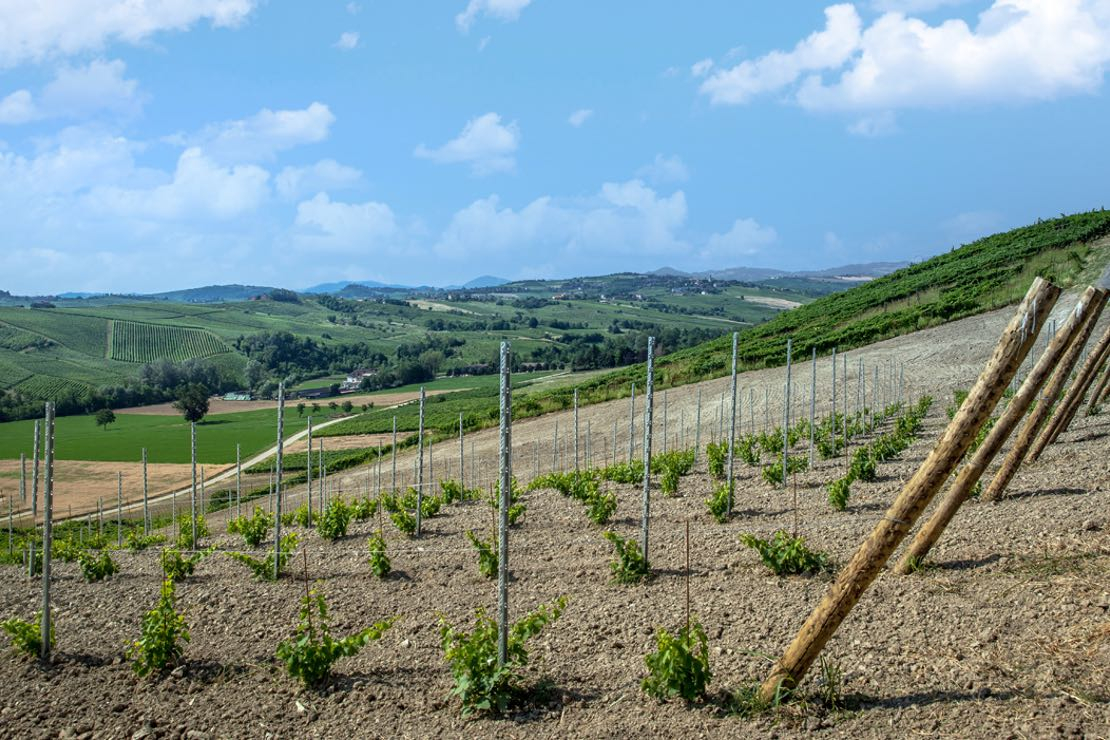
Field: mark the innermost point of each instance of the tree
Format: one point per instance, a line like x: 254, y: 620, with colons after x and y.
x: 300, y: 409
x: 347, y: 406
x: 104, y: 417
x: 192, y: 401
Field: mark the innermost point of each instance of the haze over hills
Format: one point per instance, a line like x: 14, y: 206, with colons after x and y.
x: 369, y: 288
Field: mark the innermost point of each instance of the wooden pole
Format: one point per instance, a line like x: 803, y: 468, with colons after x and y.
x: 47, y: 533
x: 648, y: 399
x: 1090, y: 312
x: 865, y: 565
x: 971, y: 472
x: 1099, y: 392
x: 1074, y: 397
x: 505, y: 464
x: 277, y: 481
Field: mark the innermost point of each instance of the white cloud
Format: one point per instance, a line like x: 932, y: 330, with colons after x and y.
x: 332, y: 225
x: 327, y: 174
x: 1019, y: 50
x: 18, y: 107
x: 354, y: 8
x: 484, y: 42
x: 503, y: 10
x: 745, y: 238
x: 347, y: 40
x: 622, y: 221
x: 665, y: 169
x: 579, y: 117
x: 200, y: 188
x: 262, y: 135
x: 879, y: 124
x: 485, y: 144
x: 828, y: 48
x: 76, y: 92
x: 701, y: 68
x: 33, y: 31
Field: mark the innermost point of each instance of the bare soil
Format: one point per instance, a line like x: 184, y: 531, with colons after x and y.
x: 1006, y: 634
x: 218, y: 405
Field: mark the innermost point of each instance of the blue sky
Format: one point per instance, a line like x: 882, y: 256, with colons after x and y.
x: 163, y: 144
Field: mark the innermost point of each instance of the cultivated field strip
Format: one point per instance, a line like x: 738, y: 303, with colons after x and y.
x: 133, y: 341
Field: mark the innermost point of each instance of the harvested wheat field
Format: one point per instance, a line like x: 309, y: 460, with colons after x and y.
x: 1004, y: 633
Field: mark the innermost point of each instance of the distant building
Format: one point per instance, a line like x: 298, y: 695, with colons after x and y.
x: 238, y: 396
x: 312, y: 393
x: 354, y: 379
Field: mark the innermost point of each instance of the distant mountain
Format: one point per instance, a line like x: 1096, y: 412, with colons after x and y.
x: 755, y: 274
x: 211, y: 294
x: 743, y: 274
x: 866, y: 269
x: 79, y: 295
x: 485, y: 281
x: 669, y: 272
x: 337, y: 287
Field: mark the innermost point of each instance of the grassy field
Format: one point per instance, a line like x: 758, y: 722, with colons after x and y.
x: 165, y: 437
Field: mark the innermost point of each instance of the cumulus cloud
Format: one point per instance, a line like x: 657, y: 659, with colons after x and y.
x: 262, y: 135
x: 663, y: 170
x: 347, y: 40
x: 76, y: 92
x: 31, y: 32
x: 579, y: 117
x: 336, y: 226
x: 746, y: 237
x: 1019, y: 50
x: 485, y: 144
x: 327, y: 174
x: 200, y: 188
x: 621, y: 220
x: 503, y: 10
x: 701, y: 68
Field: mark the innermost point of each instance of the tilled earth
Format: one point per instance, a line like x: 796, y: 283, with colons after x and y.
x: 1006, y: 635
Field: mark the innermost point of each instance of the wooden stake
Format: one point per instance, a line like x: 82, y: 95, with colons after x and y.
x: 865, y: 565
x: 1090, y: 312
x: 1074, y: 398
x: 971, y: 472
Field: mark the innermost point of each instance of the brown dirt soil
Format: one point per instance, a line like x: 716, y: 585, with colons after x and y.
x: 350, y: 442
x: 1003, y: 635
x: 79, y: 484
x: 217, y: 405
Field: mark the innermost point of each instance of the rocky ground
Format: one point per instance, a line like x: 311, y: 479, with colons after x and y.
x: 1006, y: 634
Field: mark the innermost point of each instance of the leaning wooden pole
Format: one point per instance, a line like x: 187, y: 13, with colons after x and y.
x: 1028, y: 432
x: 972, y: 471
x: 1100, y: 391
x: 1073, y: 399
x: 868, y: 560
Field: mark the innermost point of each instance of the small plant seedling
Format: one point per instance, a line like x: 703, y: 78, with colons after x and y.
x: 253, y: 528
x: 379, y: 561
x: 136, y: 541
x: 176, y: 566
x: 185, y: 530
x: 600, y: 507
x: 264, y: 569
x: 863, y: 465
x: 453, y: 492
x: 26, y: 637
x: 98, y: 566
x: 309, y: 655
x: 838, y: 491
x: 363, y: 508
x: 716, y: 454
x: 334, y: 521
x: 480, y: 682
x: 786, y: 555
x: 630, y: 566
x: 622, y: 473
x: 487, y: 555
x: 829, y: 681
x: 162, y: 637
x: 679, y: 668
x: 405, y: 521
x: 668, y: 484
x: 718, y: 503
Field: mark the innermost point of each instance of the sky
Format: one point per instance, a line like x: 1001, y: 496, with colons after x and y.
x: 150, y: 145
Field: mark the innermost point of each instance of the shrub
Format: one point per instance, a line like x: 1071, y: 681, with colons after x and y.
x: 718, y: 503
x: 480, y: 682
x: 669, y: 482
x: 162, y: 637
x: 176, y: 567
x: 253, y: 528
x: 96, y: 567
x: 264, y: 569
x: 716, y: 455
x: 334, y: 520
x: 379, y: 561
x: 185, y: 530
x: 405, y: 521
x: 747, y: 450
x: 680, y: 665
x: 453, y: 492
x: 623, y: 472
x: 600, y: 507
x: 839, y: 491
x: 26, y: 637
x: 136, y: 541
x: 309, y: 655
x: 363, y: 508
x: 630, y: 566
x: 786, y: 555
x: 487, y: 554
x: 863, y: 465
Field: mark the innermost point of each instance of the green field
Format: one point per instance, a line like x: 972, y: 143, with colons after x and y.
x: 165, y: 437
x: 133, y: 341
